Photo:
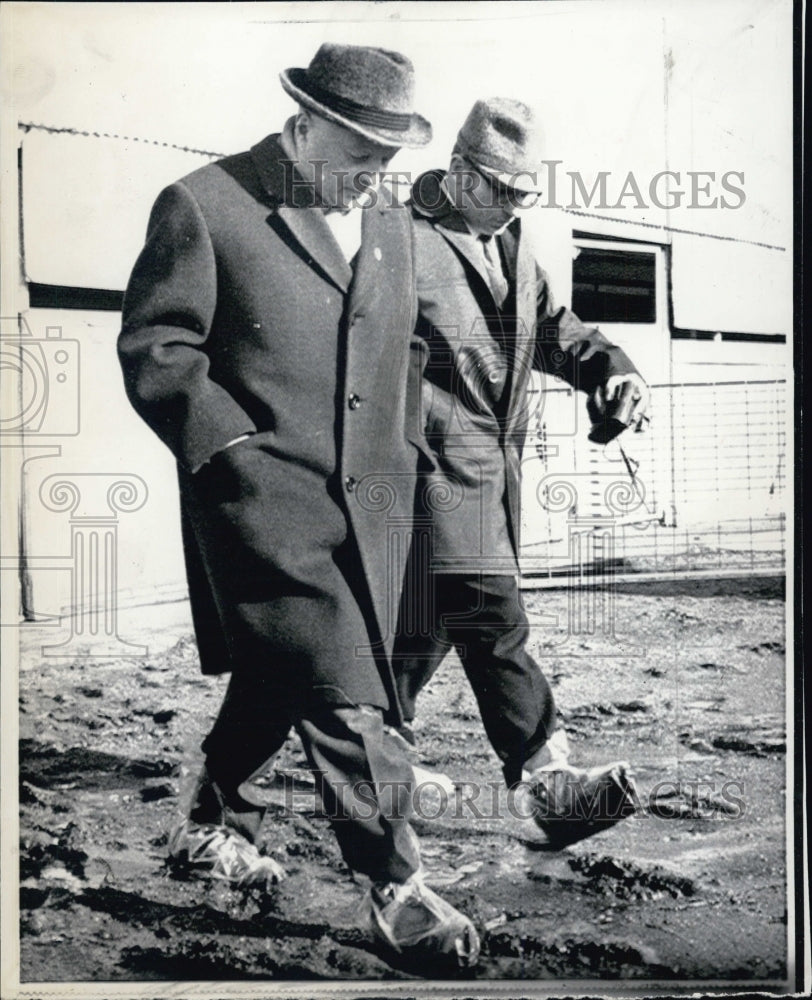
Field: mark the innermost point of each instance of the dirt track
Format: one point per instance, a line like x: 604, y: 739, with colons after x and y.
x: 693, y: 887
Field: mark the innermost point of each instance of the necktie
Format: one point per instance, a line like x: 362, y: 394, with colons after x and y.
x: 493, y: 264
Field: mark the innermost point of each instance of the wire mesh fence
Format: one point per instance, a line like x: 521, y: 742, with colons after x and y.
x: 704, y: 489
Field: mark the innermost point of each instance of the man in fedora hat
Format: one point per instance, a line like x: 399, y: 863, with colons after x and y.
x: 265, y: 339
x: 486, y: 320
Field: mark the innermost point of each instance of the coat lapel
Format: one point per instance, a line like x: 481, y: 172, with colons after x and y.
x: 310, y: 229
x: 373, y: 262
x: 380, y: 261
x: 433, y: 204
x: 522, y: 264
x: 465, y: 244
x: 293, y: 205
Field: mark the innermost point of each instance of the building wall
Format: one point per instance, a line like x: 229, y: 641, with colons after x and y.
x: 101, y: 136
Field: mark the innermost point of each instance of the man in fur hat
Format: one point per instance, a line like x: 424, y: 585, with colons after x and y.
x: 265, y: 339
x: 486, y: 320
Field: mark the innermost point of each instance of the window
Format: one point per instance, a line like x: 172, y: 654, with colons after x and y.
x: 614, y: 286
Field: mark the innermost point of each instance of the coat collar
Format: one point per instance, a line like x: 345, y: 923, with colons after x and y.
x: 429, y: 201
x: 293, y: 202
x: 276, y: 173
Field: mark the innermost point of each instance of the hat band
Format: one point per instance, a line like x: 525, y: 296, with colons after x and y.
x: 393, y: 120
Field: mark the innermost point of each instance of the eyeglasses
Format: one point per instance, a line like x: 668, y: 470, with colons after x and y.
x: 505, y: 193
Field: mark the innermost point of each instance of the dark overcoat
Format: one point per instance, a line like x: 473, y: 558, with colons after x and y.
x: 242, y: 316
x: 477, y: 361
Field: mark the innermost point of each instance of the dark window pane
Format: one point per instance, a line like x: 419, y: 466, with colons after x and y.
x: 67, y: 297
x: 614, y: 286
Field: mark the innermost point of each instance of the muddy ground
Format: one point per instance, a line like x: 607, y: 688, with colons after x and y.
x: 691, y: 690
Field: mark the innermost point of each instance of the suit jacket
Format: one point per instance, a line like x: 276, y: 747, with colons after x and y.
x: 242, y: 315
x: 477, y: 360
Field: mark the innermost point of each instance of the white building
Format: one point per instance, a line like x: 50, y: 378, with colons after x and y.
x: 108, y: 102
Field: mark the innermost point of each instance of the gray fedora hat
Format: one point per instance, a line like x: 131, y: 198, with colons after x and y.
x: 501, y: 137
x: 365, y: 89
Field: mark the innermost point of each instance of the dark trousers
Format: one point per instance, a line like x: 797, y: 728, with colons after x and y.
x: 481, y: 616
x: 365, y: 782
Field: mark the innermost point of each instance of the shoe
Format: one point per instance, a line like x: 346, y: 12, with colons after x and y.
x: 553, y: 755
x: 416, y: 924
x: 222, y: 853
x: 569, y: 803
x: 208, y: 808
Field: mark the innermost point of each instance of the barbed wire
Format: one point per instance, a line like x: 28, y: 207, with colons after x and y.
x: 672, y: 229
x: 84, y: 133
x: 87, y: 134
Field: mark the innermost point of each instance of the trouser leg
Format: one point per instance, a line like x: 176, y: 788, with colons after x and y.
x: 366, y: 787
x: 488, y: 626
x: 483, y: 618
x: 249, y: 731
x: 421, y: 643
x: 415, y: 661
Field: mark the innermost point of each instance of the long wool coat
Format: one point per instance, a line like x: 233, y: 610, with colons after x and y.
x: 477, y: 361
x: 243, y: 316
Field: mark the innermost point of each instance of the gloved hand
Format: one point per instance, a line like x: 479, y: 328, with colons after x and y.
x: 620, y: 403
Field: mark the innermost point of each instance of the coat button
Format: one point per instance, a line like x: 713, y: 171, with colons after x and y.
x: 350, y: 482
x: 354, y: 401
